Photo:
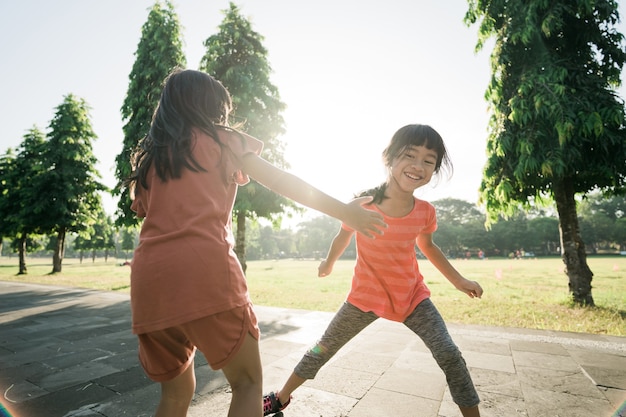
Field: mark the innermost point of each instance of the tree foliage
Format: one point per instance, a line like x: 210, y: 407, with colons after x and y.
x: 18, y: 207
x: 557, y: 123
x: 128, y: 237
x: 603, y: 222
x: 236, y: 56
x: 100, y: 238
x: 314, y: 236
x: 158, y: 52
x: 535, y: 232
x: 68, y: 187
x: 7, y: 164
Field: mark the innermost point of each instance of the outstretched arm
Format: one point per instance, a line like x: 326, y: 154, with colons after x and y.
x: 439, y: 260
x: 339, y: 244
x: 365, y: 221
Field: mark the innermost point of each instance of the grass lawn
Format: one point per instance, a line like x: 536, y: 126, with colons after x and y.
x: 529, y: 293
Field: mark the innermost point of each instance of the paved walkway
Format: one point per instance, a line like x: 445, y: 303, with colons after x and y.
x: 68, y: 352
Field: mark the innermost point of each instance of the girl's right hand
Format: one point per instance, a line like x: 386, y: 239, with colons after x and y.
x: 324, y: 269
x: 367, y: 222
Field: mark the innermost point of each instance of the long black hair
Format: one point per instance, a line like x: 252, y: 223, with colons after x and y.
x: 189, y: 99
x: 406, y: 136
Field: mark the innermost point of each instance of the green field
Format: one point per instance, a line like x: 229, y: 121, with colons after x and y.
x: 529, y: 293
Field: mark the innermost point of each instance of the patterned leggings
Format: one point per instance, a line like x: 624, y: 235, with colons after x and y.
x: 425, y: 321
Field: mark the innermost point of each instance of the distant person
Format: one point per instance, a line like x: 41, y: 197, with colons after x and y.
x: 387, y: 281
x: 188, y: 290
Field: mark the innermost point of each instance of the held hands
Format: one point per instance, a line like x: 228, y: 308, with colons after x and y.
x: 363, y: 220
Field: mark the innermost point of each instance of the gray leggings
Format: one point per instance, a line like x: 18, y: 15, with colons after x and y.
x: 425, y: 321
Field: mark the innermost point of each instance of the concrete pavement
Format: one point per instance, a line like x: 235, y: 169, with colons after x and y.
x: 69, y: 352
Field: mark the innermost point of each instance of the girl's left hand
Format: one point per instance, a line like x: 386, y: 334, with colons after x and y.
x: 324, y: 269
x: 472, y: 289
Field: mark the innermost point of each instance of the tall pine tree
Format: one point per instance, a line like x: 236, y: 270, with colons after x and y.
x: 236, y: 56
x: 21, y: 195
x: 69, y: 187
x: 159, y: 51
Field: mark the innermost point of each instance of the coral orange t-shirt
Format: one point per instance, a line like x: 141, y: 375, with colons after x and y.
x: 184, y: 267
x: 387, y: 280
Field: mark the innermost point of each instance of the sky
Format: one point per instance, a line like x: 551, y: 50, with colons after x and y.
x: 351, y: 73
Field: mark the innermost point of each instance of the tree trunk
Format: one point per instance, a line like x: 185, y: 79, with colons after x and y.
x: 22, y: 255
x: 240, y: 240
x: 59, y: 252
x: 572, y: 245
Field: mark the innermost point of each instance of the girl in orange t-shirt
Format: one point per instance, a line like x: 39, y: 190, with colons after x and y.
x: 387, y: 281
x: 188, y: 290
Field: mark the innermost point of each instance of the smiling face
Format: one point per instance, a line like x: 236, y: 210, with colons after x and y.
x: 412, y: 168
x: 414, y: 155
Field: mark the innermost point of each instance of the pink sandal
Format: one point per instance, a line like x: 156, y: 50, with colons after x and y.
x: 272, y: 405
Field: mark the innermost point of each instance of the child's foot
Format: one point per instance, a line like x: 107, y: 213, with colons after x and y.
x: 272, y: 405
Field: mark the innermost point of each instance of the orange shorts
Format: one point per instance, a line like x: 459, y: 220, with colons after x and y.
x: 165, y: 354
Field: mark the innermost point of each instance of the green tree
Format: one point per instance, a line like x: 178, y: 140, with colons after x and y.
x: 8, y: 202
x: 7, y: 166
x: 599, y: 220
x: 236, y: 56
x: 597, y: 230
x: 255, y: 245
x: 557, y: 124
x: 543, y: 235
x: 314, y: 236
x: 128, y: 240
x: 507, y: 235
x: 21, y: 195
x: 612, y: 207
x: 620, y: 234
x: 159, y: 51
x: 459, y: 227
x: 81, y: 244
x: 69, y: 186
x: 100, y: 237
x: 452, y: 210
x: 267, y: 242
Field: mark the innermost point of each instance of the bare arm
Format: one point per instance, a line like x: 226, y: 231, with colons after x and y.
x: 339, y: 244
x: 364, y: 221
x: 439, y: 260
